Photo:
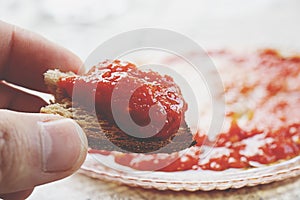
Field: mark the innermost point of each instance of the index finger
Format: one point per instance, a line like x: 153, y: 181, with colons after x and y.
x: 26, y: 56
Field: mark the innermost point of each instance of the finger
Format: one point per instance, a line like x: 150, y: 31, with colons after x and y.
x: 17, y: 195
x: 18, y: 100
x: 25, y: 56
x: 37, y: 149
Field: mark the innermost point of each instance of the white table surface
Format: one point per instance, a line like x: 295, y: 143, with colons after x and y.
x: 83, y: 188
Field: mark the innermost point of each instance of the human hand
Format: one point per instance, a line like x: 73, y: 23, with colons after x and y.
x: 34, y: 148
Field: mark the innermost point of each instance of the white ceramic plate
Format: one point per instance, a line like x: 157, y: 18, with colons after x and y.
x: 191, y: 180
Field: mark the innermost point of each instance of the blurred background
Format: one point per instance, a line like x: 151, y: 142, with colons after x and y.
x: 82, y: 25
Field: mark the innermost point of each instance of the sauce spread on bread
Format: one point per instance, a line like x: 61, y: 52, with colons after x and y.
x: 262, y: 92
x: 151, y: 89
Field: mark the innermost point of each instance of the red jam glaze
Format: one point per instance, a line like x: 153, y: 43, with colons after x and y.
x: 266, y: 86
x: 152, y: 88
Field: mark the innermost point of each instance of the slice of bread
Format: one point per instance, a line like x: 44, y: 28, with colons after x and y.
x: 103, y: 135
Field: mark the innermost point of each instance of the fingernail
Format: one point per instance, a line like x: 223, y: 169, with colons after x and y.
x: 63, y: 144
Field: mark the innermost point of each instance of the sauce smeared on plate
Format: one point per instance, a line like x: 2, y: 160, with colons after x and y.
x: 262, y: 92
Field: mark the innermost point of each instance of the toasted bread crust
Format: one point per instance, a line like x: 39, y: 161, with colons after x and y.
x: 51, y: 78
x: 103, y: 135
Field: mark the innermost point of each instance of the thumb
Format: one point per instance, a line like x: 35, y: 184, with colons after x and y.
x: 37, y: 148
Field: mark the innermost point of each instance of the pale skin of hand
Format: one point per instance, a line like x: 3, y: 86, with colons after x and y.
x: 24, y: 58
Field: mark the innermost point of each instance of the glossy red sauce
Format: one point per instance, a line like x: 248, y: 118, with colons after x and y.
x: 262, y: 92
x: 151, y: 88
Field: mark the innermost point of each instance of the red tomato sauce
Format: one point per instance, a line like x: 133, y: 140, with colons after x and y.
x: 150, y: 88
x: 262, y: 92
